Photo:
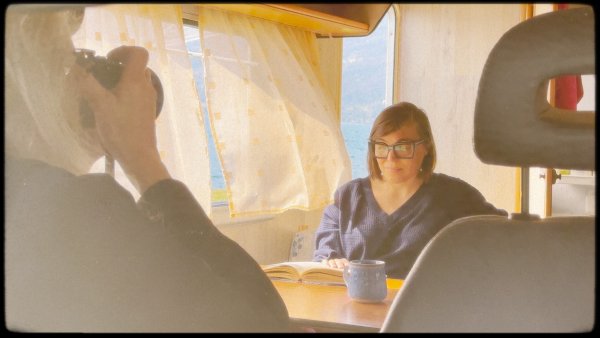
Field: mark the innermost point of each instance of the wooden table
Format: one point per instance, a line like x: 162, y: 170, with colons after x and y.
x: 327, y: 308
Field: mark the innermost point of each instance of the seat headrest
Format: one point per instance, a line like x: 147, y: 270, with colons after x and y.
x: 515, y: 125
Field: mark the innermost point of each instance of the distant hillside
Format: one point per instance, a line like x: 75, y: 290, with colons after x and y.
x: 363, y: 74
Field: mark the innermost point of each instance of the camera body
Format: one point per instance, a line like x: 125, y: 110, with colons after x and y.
x: 108, y: 73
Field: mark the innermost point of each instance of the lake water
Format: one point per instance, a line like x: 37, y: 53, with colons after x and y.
x: 355, y: 136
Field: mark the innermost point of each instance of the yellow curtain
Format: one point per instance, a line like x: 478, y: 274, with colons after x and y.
x: 180, y: 129
x: 273, y: 119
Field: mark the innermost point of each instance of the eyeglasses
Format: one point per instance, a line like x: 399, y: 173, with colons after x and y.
x: 404, y: 149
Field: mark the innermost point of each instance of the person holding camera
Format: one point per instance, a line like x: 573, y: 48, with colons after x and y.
x: 81, y: 255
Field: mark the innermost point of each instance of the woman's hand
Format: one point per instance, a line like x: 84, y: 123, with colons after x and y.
x: 125, y: 117
x: 339, y: 263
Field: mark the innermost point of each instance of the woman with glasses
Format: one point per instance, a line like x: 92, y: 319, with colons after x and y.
x: 392, y: 214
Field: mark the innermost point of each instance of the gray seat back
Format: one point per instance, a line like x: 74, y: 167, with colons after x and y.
x: 515, y: 125
x: 494, y: 274
x: 498, y: 274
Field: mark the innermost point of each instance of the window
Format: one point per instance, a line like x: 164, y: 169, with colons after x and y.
x: 366, y: 90
x: 367, y: 79
x: 192, y: 42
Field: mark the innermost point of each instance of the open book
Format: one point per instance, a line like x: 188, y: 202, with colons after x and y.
x: 305, y: 272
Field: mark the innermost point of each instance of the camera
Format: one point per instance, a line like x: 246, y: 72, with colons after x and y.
x: 108, y: 73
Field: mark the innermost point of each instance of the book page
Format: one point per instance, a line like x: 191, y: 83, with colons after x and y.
x: 323, y: 274
x: 299, y: 267
x: 312, y: 272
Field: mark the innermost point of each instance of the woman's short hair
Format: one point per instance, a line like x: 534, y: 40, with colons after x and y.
x: 393, y: 118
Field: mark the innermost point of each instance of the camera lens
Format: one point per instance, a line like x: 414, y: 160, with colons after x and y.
x: 108, y: 73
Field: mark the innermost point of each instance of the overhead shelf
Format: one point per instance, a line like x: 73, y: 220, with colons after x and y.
x: 297, y: 15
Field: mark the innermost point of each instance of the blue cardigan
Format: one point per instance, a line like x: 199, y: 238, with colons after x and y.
x: 355, y: 227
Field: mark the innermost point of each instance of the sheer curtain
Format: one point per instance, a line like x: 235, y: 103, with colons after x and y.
x: 273, y: 119
x: 180, y: 129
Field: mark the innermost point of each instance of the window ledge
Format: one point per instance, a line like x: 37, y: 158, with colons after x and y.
x: 220, y: 217
x: 579, y: 180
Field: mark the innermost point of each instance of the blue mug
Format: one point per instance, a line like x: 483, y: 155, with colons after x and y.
x: 366, y: 280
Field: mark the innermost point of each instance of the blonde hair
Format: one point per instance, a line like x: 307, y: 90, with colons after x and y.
x: 41, y: 113
x: 393, y: 118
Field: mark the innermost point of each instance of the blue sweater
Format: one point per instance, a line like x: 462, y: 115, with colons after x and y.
x: 355, y: 227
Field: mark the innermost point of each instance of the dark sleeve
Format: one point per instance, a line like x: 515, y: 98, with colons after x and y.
x: 82, y: 257
x: 470, y: 202
x: 172, y: 204
x: 327, y: 236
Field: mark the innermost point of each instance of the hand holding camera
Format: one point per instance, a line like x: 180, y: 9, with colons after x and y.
x: 108, y: 73
x: 123, y: 98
